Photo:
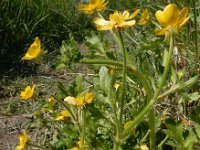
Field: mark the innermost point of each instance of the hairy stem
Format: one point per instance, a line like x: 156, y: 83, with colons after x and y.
x: 126, y: 132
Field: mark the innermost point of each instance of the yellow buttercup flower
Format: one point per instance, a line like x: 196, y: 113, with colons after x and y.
x: 63, y: 114
x: 116, y: 86
x: 51, y: 101
x: 171, y: 19
x: 89, y: 97
x: 144, y: 147
x: 34, y: 50
x: 127, y: 124
x: 93, y: 6
x: 23, y: 140
x: 27, y: 93
x: 144, y: 18
x: 81, y: 145
x: 117, y: 21
x: 70, y: 100
x: 80, y: 100
x: 75, y: 148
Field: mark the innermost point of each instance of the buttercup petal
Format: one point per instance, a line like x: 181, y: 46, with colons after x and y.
x: 161, y: 31
x: 102, y: 24
x: 183, y: 16
x: 126, y: 24
x: 134, y: 14
x: 169, y: 15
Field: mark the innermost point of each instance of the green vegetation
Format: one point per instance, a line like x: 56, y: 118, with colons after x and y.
x: 22, y: 20
x: 131, y: 86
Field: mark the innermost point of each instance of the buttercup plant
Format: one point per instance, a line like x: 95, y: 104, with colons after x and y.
x: 96, y: 109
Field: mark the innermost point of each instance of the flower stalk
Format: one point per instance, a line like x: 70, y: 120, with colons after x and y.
x: 155, y: 97
x: 71, y: 113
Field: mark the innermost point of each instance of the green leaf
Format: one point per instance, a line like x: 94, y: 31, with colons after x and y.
x: 174, y: 131
x: 79, y: 84
x: 190, y: 140
x: 95, y: 113
x: 106, y: 80
x: 197, y: 129
x: 173, y: 76
x: 194, y: 96
x: 195, y: 115
x: 62, y: 89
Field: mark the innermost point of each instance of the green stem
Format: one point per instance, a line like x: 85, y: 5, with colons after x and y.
x: 126, y: 132
x: 72, y: 115
x: 196, y: 32
x: 83, y: 129
x: 123, y: 82
x: 163, y: 141
x: 120, y: 127
x: 152, y: 135
x: 179, y: 87
x: 120, y: 43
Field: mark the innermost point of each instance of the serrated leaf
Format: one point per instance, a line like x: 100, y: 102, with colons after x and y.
x: 106, y: 80
x: 175, y: 130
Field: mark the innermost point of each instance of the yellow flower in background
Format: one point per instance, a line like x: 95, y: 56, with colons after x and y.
x: 127, y: 124
x: 34, y: 50
x: 144, y: 147
x: 117, y: 21
x: 81, y: 100
x: 63, y: 115
x: 171, y: 19
x: 89, y: 97
x: 51, y: 101
x: 23, y: 140
x: 116, y: 86
x: 144, y: 17
x: 81, y: 145
x: 70, y: 100
x: 27, y: 93
x: 93, y: 6
x: 75, y: 148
